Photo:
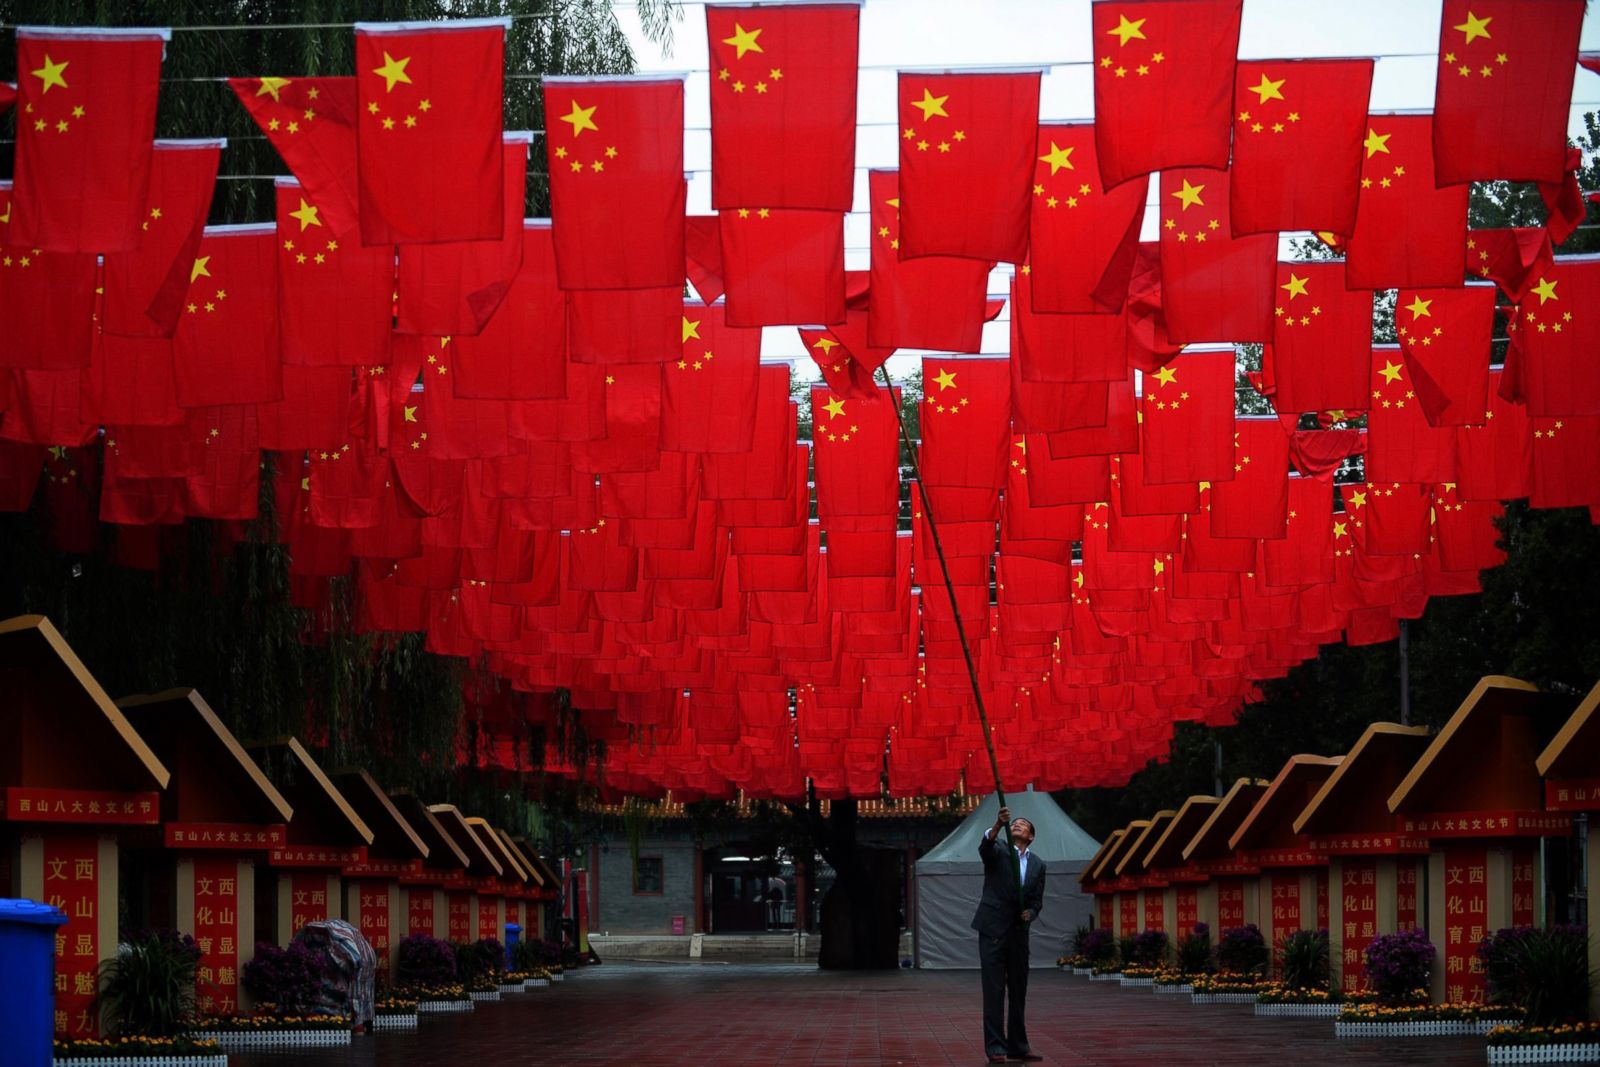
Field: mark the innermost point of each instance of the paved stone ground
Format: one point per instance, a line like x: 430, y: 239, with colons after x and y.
x: 673, y: 1015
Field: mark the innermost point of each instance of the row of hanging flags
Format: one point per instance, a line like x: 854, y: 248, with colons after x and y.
x: 518, y: 436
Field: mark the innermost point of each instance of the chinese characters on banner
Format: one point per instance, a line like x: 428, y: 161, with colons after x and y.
x: 216, y: 931
x: 1188, y: 908
x: 488, y: 918
x: 459, y: 914
x: 1155, y: 910
x: 1230, y: 903
x: 419, y: 912
x: 1466, y: 909
x: 1322, y: 898
x: 1285, y: 903
x: 1522, y: 885
x: 308, y: 900
x: 372, y: 907
x: 1129, y: 904
x: 72, y: 883
x: 1103, y: 902
x: 1358, y: 909
x: 1405, y: 901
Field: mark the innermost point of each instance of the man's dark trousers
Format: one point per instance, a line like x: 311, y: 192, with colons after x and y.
x: 1004, y: 963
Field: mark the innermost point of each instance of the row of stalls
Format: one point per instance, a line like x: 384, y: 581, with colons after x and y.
x: 1459, y: 833
x: 148, y: 813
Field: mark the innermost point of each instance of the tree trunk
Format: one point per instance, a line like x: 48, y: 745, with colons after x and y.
x: 860, y: 912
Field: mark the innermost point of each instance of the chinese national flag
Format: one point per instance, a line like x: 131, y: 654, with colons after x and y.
x: 1504, y: 91
x: 1119, y: 432
x: 1052, y: 407
x: 335, y: 297
x: 1301, y: 557
x: 455, y: 287
x: 1511, y: 258
x: 312, y: 124
x: 844, y: 357
x: 930, y: 302
x: 1465, y: 530
x: 615, y: 154
x: 47, y: 303
x: 1401, y: 446
x: 1494, y: 460
x: 1559, y: 330
x: 130, y: 382
x: 1408, y: 231
x: 782, y: 267
x: 966, y: 422
x: 314, y: 411
x: 1297, y: 136
x: 1082, y: 238
x: 708, y: 394
x: 1187, y: 430
x: 226, y: 345
x: 45, y: 407
x: 783, y: 105
x: 1163, y: 82
x: 857, y: 454
x: 1565, y: 474
x: 1445, y: 334
x: 86, y: 120
x: 428, y: 150
x: 522, y: 352
x: 1321, y: 339
x: 144, y: 289
x: 225, y: 463
x: 1065, y: 348
x: 1214, y: 286
x: 1256, y: 502
x: 622, y: 325
x: 966, y: 164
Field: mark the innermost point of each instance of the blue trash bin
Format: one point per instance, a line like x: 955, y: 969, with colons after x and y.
x: 27, y: 974
x: 513, y: 935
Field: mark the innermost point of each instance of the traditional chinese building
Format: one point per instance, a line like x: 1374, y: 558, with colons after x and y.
x: 1373, y: 870
x: 495, y: 899
x: 75, y: 777
x: 483, y: 871
x: 1186, y: 887
x: 1570, y: 764
x: 372, y: 898
x: 444, y: 868
x: 1127, y: 891
x: 1150, y: 887
x: 1235, y: 897
x: 1092, y: 882
x: 1294, y: 880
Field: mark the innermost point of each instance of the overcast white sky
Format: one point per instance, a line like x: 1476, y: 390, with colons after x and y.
x: 895, y: 34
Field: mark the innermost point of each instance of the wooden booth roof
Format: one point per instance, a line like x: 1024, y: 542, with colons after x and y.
x: 1210, y: 842
x: 1485, y: 757
x: 1091, y: 870
x: 214, y: 780
x: 481, y: 863
x: 1270, y: 823
x: 1167, y: 850
x: 58, y: 728
x: 1355, y: 798
x: 1575, y: 750
x: 517, y: 858
x: 548, y: 877
x: 510, y: 869
x: 393, y: 836
x: 322, y: 814
x: 1113, y: 857
x: 1132, y: 862
x: 443, y: 852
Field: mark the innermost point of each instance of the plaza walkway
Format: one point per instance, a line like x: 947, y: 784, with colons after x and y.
x: 674, y: 1015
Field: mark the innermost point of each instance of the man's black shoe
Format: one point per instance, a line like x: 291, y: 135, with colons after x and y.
x: 1025, y: 1057
x: 997, y: 1057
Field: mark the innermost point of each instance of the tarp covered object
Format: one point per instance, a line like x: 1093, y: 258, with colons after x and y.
x: 950, y: 879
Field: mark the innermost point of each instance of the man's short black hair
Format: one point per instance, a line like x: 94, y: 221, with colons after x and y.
x: 1031, y: 830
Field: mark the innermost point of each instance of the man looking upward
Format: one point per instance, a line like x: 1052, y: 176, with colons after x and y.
x: 1013, y: 894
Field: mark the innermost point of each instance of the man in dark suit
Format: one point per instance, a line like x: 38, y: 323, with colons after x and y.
x: 1005, y: 915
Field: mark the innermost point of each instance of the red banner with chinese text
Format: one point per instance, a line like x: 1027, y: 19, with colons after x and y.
x: 37, y: 804
x: 1405, y: 901
x: 1155, y: 910
x: 308, y: 896
x: 1128, y: 905
x: 72, y: 883
x: 372, y: 916
x: 419, y: 912
x: 459, y: 915
x: 1466, y: 910
x: 216, y: 931
x: 1188, y: 909
x: 1285, y: 904
x: 489, y: 918
x: 1103, y: 902
x: 1358, y: 914
x: 1522, y: 885
x: 1230, y: 904
x: 1322, y: 898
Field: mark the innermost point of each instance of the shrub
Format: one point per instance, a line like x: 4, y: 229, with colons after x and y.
x: 1303, y: 959
x: 148, y: 989
x: 1149, y: 948
x: 1399, y: 964
x: 288, y: 978
x: 1242, y: 950
x: 1099, y: 945
x: 1544, y: 972
x: 480, y: 960
x: 425, y: 961
x: 527, y: 956
x: 1125, y: 950
x: 1194, y: 950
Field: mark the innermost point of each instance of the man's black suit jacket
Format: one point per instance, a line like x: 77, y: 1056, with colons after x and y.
x: 1000, y: 907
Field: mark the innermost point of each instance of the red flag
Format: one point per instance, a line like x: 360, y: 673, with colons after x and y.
x: 131, y: 382
x: 1504, y: 90
x: 1565, y: 474
x: 1321, y: 339
x: 225, y: 459
x: 226, y: 345
x: 1494, y: 460
x: 522, y: 352
x: 782, y: 267
x: 1214, y: 286
x: 335, y: 298
x: 1401, y: 446
x: 1082, y: 239
x: 1559, y: 328
x: 1408, y: 232
x: 708, y: 394
x: 615, y: 156
x: 783, y: 105
x: 86, y: 121
x: 428, y: 150
x: 1511, y: 258
x: 1163, y: 82
x: 144, y: 289
x: 929, y: 302
x: 1298, y: 126
x: 1444, y: 334
x: 966, y: 164
x: 844, y: 357
x: 857, y: 455
x: 46, y: 409
x: 314, y: 411
x: 702, y: 252
x: 1187, y: 430
x: 1302, y: 557
x: 622, y: 325
x: 47, y: 302
x: 312, y: 124
x: 965, y: 422
x: 1065, y: 348
x: 1256, y: 502
x: 1118, y: 433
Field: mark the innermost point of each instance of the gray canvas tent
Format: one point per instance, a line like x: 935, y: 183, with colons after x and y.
x: 950, y: 878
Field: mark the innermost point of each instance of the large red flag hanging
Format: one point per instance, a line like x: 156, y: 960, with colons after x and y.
x: 1559, y: 330
x: 85, y: 123
x: 1504, y: 91
x: 1163, y: 82
x: 1214, y: 286
x: 335, y: 297
x: 783, y: 104
x: 1408, y: 231
x: 1082, y: 238
x: 1066, y: 348
x: 428, y: 149
x: 1494, y: 460
x: 929, y: 302
x: 1401, y: 446
x: 226, y: 345
x: 1256, y: 502
x: 47, y: 303
x: 522, y: 352
x: 1297, y: 133
x: 708, y: 394
x: 857, y: 454
x: 782, y: 267
x: 1187, y: 429
x: 144, y: 288
x: 966, y: 164
x: 615, y: 155
x: 1444, y: 334
x: 966, y: 419
x: 1321, y: 339
x: 312, y: 124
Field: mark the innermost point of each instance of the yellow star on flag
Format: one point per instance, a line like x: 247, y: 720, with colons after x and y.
x: 50, y: 74
x: 1419, y: 308
x: 691, y: 329
x: 1128, y: 30
x: 1340, y: 530
x: 1268, y: 89
x: 946, y: 378
x: 1390, y: 371
x: 1296, y: 286
x: 410, y: 413
x: 199, y: 269
x: 835, y: 407
x: 1166, y: 376
x: 1358, y: 500
x: 1190, y: 194
x: 393, y: 71
x: 931, y: 105
x: 743, y: 40
x: 1377, y: 142
x: 1058, y: 158
x: 827, y: 344
x: 307, y: 215
x: 270, y: 87
x: 1474, y: 27
x: 582, y: 118
x: 1546, y: 290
